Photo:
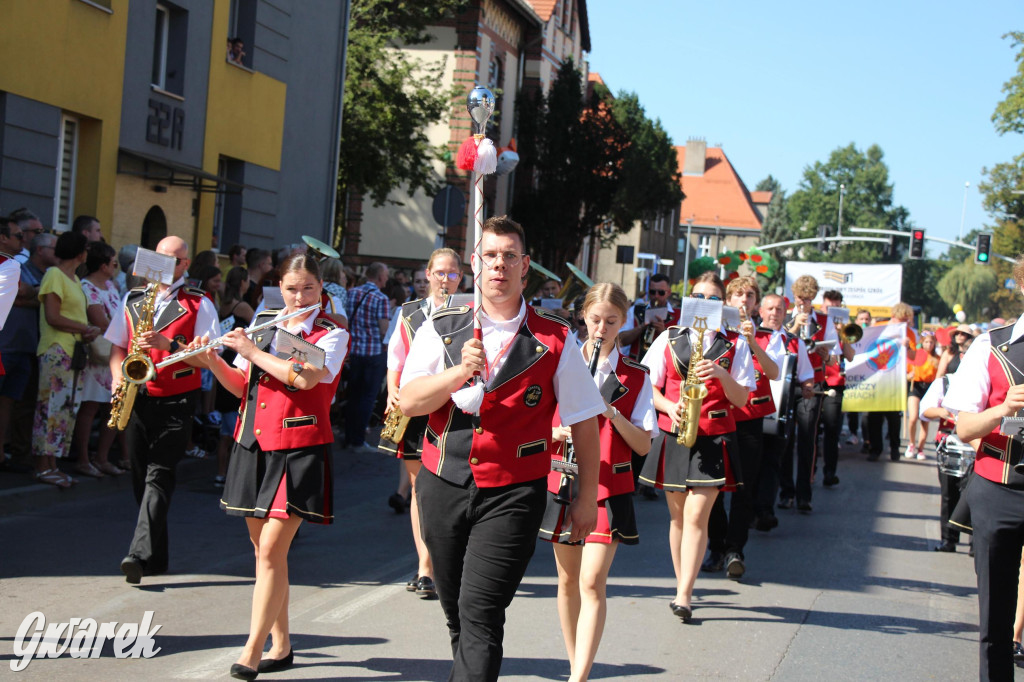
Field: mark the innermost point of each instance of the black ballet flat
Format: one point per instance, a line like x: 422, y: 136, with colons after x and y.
x: 242, y: 672
x: 682, y: 612
x: 272, y: 665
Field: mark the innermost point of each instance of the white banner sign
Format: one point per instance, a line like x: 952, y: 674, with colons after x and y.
x: 860, y: 284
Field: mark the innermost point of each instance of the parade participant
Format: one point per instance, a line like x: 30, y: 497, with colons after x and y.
x: 280, y: 468
x: 920, y: 376
x: 637, y: 335
x: 727, y: 534
x: 809, y: 326
x: 901, y: 314
x: 627, y: 425
x: 835, y: 386
x: 693, y: 476
x: 773, y: 312
x: 853, y: 419
x: 482, y: 487
x: 160, y: 426
x: 442, y: 272
x: 949, y: 486
x: 988, y: 386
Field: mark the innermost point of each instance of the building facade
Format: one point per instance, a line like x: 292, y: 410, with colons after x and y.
x: 135, y: 114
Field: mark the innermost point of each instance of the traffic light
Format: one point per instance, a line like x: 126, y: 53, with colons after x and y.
x: 917, y: 244
x: 983, y: 248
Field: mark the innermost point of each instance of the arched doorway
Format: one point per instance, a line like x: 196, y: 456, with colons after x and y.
x: 154, y: 228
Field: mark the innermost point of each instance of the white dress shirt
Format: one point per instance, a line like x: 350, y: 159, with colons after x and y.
x: 207, y: 320
x: 397, y: 352
x: 644, y: 415
x: 334, y: 343
x: 742, y: 369
x: 933, y: 398
x: 970, y: 386
x: 578, y: 398
x: 10, y: 277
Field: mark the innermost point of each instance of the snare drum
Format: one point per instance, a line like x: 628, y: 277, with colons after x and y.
x: 955, y: 457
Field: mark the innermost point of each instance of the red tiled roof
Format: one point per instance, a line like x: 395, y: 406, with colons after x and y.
x: 718, y: 198
x: 544, y: 7
x: 595, y: 77
x: 761, y: 197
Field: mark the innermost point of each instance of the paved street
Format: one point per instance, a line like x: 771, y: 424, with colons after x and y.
x: 849, y: 592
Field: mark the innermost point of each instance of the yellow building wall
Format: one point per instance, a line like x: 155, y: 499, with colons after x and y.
x: 70, y: 55
x: 135, y: 196
x: 244, y: 117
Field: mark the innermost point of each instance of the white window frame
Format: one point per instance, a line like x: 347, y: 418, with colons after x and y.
x: 165, y: 14
x: 704, y: 246
x: 61, y: 159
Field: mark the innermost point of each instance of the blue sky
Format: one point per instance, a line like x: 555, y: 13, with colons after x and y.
x: 780, y: 85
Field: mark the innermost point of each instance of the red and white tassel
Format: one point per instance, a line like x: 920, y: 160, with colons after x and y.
x: 467, y: 156
x: 486, y: 157
x: 470, y: 398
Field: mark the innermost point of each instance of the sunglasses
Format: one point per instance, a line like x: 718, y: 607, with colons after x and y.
x: 710, y: 298
x: 657, y: 292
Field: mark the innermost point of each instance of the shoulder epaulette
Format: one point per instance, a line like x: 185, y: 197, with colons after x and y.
x: 193, y: 291
x: 446, y: 312
x: 1001, y: 327
x: 630, y: 362
x: 411, y: 306
x: 326, y: 323
x: 6, y: 255
x: 266, y: 315
x: 548, y: 315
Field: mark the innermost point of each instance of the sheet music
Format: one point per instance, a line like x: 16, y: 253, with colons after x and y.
x: 710, y: 312
x: 296, y: 347
x: 652, y: 314
x: 550, y: 303
x: 839, y: 315
x: 731, y: 316
x: 153, y: 266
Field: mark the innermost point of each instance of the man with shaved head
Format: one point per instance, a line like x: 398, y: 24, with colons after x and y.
x: 160, y: 426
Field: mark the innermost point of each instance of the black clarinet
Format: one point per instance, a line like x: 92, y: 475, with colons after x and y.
x: 568, y: 466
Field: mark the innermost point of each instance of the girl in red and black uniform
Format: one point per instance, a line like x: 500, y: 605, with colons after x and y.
x: 280, y: 469
x: 628, y: 424
x: 695, y: 475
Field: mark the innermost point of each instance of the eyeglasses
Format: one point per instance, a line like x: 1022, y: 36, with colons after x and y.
x: 177, y: 261
x: 17, y: 235
x: 710, y: 298
x: 448, y: 276
x: 510, y: 258
x: 657, y: 292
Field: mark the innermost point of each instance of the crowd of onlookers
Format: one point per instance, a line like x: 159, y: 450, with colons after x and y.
x: 55, y: 393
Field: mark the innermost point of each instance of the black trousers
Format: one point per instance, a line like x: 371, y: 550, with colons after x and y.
x: 832, y: 419
x: 481, y: 541
x: 892, y: 419
x: 997, y: 516
x: 158, y: 432
x: 805, y: 443
x: 949, y: 489
x: 767, y: 486
x: 853, y: 420
x: 729, y: 533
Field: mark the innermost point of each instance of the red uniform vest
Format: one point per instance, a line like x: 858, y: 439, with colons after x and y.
x: 281, y: 417
x: 834, y: 374
x: 177, y: 322
x: 998, y: 454
x: 511, y: 440
x: 620, y: 390
x: 760, y: 403
x: 716, y: 414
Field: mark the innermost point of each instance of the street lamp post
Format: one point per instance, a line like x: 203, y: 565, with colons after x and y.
x: 963, y: 212
x: 842, y: 192
x: 686, y: 253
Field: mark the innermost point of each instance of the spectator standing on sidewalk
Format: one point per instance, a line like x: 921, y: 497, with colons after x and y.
x: 368, y: 315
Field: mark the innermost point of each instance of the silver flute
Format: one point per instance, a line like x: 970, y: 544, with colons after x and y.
x: 184, y: 354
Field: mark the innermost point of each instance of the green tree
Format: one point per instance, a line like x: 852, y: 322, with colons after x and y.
x: 972, y: 286
x: 1009, y: 114
x: 650, y: 179
x: 572, y: 151
x: 391, y: 97
x: 921, y: 279
x: 867, y: 203
x: 775, y: 228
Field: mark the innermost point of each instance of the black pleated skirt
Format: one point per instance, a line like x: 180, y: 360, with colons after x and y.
x: 672, y: 466
x: 280, y: 483
x: 616, y: 520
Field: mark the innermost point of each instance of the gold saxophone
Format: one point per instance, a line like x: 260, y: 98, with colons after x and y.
x: 137, y: 368
x: 395, y: 424
x: 693, y: 391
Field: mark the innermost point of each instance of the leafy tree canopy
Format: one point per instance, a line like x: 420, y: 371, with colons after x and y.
x: 1009, y: 114
x: 972, y: 286
x: 391, y: 97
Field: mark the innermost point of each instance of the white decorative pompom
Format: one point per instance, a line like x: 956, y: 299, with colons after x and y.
x: 486, y: 157
x: 470, y: 398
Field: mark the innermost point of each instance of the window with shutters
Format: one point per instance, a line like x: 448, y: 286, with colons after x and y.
x: 67, y: 167
x: 705, y: 246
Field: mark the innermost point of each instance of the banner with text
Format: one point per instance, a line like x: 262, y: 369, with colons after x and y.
x: 876, y: 378
x: 861, y: 285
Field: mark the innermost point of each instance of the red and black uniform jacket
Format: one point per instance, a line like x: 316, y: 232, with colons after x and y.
x: 716, y: 413
x: 620, y: 390
x: 510, y: 442
x: 760, y: 403
x: 835, y: 374
x: 177, y: 321
x: 998, y: 454
x: 279, y: 416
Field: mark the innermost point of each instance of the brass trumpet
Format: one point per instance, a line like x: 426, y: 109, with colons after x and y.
x: 852, y: 333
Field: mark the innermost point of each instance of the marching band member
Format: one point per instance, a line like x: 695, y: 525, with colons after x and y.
x: 809, y: 325
x: 637, y: 335
x: 988, y: 386
x: 627, y: 425
x: 773, y: 311
x: 443, y: 270
x: 949, y: 486
x: 727, y: 535
x: 694, y: 475
x: 832, y: 405
x: 160, y: 426
x: 482, y: 488
x: 280, y: 469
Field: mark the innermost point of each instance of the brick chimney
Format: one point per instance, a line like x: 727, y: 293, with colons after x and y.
x: 696, y: 151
